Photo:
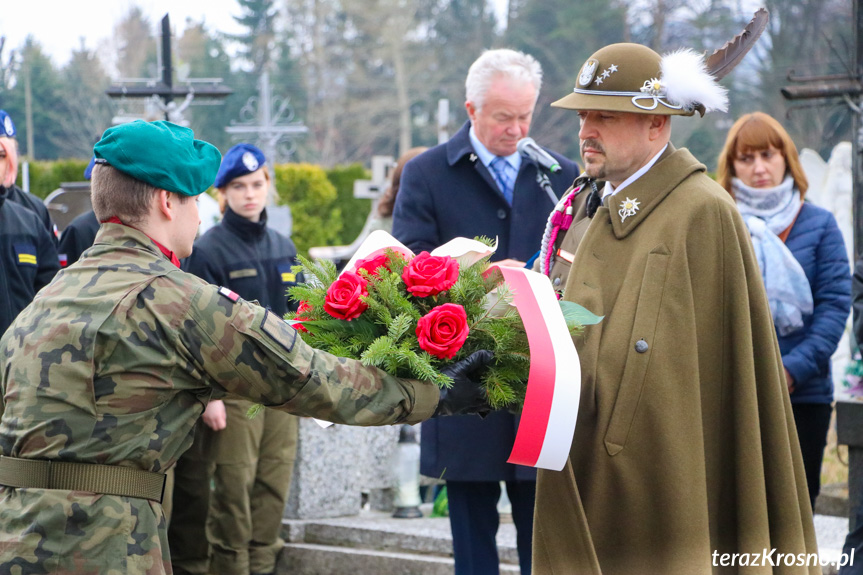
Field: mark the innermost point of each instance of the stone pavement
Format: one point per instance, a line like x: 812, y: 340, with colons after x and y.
x: 373, y: 543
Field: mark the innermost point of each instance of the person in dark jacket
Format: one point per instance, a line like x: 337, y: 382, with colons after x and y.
x: 477, y: 184
x: 805, y: 269
x: 28, y: 258
x: 9, y: 148
x: 81, y: 231
x: 77, y: 237
x: 250, y: 460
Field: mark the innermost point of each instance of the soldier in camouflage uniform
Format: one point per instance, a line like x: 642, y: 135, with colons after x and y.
x: 104, y: 375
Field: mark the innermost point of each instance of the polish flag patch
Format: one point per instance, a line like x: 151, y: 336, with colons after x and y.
x: 231, y: 295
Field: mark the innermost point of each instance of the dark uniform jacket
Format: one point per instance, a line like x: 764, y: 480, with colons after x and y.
x: 36, y: 205
x: 113, y: 363
x: 77, y: 237
x: 447, y: 192
x: 28, y: 258
x: 253, y: 260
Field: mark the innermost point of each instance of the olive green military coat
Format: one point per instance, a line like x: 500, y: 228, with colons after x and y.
x: 113, y: 362
x: 685, y: 443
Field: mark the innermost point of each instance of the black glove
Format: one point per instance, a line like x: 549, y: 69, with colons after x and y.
x: 466, y: 395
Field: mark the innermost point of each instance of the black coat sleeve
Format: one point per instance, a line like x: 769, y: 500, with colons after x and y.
x: 48, y: 262
x: 414, y: 218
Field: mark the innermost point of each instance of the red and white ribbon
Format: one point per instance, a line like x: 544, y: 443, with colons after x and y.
x: 550, y: 408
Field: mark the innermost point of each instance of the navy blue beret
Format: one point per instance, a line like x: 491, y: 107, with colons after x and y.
x: 7, y: 128
x: 240, y: 160
x: 88, y: 171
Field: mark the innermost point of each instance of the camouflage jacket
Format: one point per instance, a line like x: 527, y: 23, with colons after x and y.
x: 114, y: 361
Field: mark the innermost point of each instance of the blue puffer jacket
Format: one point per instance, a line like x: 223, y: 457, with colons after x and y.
x: 816, y: 242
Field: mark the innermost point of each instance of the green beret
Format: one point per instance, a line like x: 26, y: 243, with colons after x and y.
x: 162, y: 154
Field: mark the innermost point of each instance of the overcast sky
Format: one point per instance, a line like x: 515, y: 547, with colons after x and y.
x: 58, y: 25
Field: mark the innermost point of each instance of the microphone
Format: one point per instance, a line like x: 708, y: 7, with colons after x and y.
x: 527, y: 147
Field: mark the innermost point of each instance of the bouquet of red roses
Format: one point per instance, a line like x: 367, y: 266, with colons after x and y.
x: 412, y: 315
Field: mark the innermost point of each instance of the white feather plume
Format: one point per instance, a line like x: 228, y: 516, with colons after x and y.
x: 687, y: 82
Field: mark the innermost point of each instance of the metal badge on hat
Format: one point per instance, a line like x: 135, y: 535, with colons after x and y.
x: 8, y: 127
x: 588, y: 71
x: 250, y: 161
x: 628, y: 207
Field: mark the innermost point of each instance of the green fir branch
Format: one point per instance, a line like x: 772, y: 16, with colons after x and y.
x: 321, y: 274
x: 400, y: 326
x: 378, y: 352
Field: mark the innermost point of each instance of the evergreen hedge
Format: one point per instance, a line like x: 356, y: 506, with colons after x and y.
x: 323, y: 207
x: 354, y: 211
x: 317, y: 216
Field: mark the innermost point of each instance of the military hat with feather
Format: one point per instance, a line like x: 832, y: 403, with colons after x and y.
x: 634, y: 78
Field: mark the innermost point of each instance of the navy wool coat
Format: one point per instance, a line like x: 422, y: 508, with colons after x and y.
x: 447, y: 192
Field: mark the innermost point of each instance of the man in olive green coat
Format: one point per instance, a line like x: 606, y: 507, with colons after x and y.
x: 685, y: 451
x: 104, y: 375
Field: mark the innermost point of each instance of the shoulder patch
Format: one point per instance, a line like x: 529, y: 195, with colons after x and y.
x: 25, y: 254
x: 279, y: 330
x: 231, y: 295
x: 287, y: 276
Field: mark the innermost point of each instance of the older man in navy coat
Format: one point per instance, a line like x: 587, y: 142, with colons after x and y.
x: 477, y: 184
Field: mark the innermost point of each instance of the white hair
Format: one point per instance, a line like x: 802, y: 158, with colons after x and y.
x: 517, y: 66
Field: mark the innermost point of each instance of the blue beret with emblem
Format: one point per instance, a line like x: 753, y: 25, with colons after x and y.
x: 7, y: 127
x: 88, y: 171
x: 240, y: 160
x: 162, y: 154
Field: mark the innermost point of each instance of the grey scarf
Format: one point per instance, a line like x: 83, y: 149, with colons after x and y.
x: 767, y: 213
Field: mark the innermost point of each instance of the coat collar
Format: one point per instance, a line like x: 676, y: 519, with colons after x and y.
x: 246, y: 229
x: 459, y: 146
x: 649, y: 190
x: 129, y: 237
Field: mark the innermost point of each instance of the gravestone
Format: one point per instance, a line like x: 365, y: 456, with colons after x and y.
x: 336, y: 465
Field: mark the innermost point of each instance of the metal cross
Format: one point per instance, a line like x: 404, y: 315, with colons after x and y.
x: 162, y: 91
x: 269, y: 127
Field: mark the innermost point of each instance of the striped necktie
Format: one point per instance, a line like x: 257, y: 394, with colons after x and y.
x: 503, y: 175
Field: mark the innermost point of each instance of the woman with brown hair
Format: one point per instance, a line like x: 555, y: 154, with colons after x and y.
x: 804, y: 265
x: 383, y: 219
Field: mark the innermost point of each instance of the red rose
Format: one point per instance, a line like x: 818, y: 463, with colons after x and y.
x: 343, y: 298
x: 301, y: 316
x: 371, y: 265
x: 427, y: 275
x: 443, y: 330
